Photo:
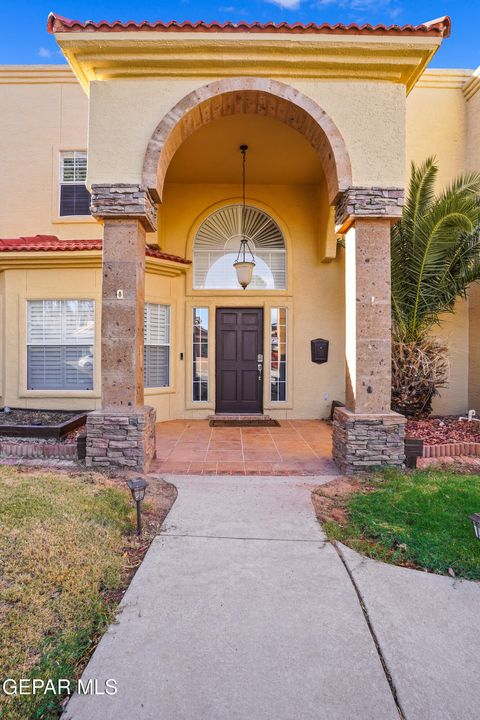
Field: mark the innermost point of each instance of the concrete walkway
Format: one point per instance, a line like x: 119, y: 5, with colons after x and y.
x: 428, y: 627
x: 242, y: 611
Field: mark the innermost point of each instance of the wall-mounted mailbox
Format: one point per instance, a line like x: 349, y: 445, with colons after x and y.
x: 319, y: 349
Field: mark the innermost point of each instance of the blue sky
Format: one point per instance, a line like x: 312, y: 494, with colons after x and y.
x: 24, y: 39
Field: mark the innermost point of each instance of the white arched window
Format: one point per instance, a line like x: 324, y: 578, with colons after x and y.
x: 216, y: 246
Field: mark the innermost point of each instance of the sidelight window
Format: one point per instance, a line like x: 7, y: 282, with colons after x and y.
x: 200, y: 352
x: 278, y: 354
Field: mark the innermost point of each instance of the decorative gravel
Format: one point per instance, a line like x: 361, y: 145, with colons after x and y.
x: 444, y: 429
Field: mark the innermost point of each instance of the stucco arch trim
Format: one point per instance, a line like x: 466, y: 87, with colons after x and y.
x: 248, y: 96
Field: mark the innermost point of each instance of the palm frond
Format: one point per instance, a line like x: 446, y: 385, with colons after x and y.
x: 435, y: 249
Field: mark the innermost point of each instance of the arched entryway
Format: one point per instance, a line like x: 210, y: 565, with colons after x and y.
x: 248, y: 95
x: 366, y: 431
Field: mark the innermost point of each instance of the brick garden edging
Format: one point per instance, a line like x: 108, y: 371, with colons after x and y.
x: 451, y: 449
x: 13, y: 448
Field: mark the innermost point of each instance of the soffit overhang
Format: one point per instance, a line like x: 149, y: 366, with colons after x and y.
x: 104, y: 56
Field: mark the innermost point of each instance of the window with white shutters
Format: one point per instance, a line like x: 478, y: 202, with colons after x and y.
x: 156, y: 366
x: 216, y: 246
x: 74, y: 196
x: 60, y: 344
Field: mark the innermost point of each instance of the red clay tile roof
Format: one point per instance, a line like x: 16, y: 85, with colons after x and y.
x: 58, y: 24
x: 43, y: 243
x: 152, y: 252
x: 46, y: 242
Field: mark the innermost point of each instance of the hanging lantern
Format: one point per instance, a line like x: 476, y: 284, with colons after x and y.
x: 245, y: 261
x: 244, y: 264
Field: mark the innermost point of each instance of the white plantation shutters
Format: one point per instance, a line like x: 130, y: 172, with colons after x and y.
x: 74, y: 196
x: 60, y: 344
x: 156, y: 368
x: 216, y: 246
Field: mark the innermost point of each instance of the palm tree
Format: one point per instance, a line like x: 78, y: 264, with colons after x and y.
x: 435, y: 257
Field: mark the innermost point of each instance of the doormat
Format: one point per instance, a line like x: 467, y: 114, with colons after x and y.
x: 254, y: 422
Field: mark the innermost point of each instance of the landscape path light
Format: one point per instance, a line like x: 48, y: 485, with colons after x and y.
x: 137, y: 488
x: 475, y: 518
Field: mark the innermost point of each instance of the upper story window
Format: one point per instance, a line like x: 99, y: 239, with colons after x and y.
x: 74, y: 196
x: 216, y: 246
x: 60, y: 344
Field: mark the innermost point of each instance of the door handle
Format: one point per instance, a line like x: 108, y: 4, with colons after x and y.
x: 260, y: 366
x: 260, y: 358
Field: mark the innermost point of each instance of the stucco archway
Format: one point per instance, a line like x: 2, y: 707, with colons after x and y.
x: 248, y: 96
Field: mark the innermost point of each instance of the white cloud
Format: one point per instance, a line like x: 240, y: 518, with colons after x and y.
x: 288, y: 4
x: 357, y: 5
x: 45, y: 52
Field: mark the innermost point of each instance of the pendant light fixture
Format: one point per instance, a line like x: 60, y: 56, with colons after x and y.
x: 245, y: 261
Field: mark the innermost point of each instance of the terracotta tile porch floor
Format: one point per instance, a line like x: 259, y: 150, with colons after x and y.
x: 297, y: 447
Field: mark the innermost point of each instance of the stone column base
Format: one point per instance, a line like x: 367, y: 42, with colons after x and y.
x: 364, y: 442
x: 120, y: 439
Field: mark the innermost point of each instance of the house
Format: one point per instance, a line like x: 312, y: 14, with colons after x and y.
x: 150, y: 118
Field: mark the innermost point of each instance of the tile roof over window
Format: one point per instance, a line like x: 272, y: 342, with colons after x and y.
x: 44, y: 243
x: 439, y: 27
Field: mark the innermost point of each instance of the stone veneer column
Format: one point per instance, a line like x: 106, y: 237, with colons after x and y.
x: 366, y: 432
x: 122, y: 433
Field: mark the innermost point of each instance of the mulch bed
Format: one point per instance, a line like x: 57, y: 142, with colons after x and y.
x: 329, y: 500
x: 444, y: 429
x: 20, y: 416
x: 159, y: 498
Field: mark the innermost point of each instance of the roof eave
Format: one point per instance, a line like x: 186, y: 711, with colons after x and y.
x: 101, y: 56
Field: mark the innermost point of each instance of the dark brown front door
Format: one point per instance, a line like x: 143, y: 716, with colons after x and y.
x: 239, y: 360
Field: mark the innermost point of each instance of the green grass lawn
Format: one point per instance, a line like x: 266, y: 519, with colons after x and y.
x: 420, y: 518
x: 61, y: 553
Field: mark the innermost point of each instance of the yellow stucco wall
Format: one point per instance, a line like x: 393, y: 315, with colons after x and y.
x: 473, y: 163
x: 42, y: 114
x: 472, y: 95
x: 17, y: 286
x: 436, y: 122
x: 474, y: 349
x: 169, y: 291
x: 370, y: 116
x: 314, y: 296
x: 381, y: 141
x: 20, y: 286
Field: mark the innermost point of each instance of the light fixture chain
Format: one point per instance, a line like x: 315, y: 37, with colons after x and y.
x: 243, y: 266
x: 244, y: 149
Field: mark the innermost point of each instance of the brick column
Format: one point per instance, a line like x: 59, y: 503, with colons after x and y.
x: 366, y: 432
x: 122, y: 433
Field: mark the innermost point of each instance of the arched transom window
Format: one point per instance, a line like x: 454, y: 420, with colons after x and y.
x: 216, y: 246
